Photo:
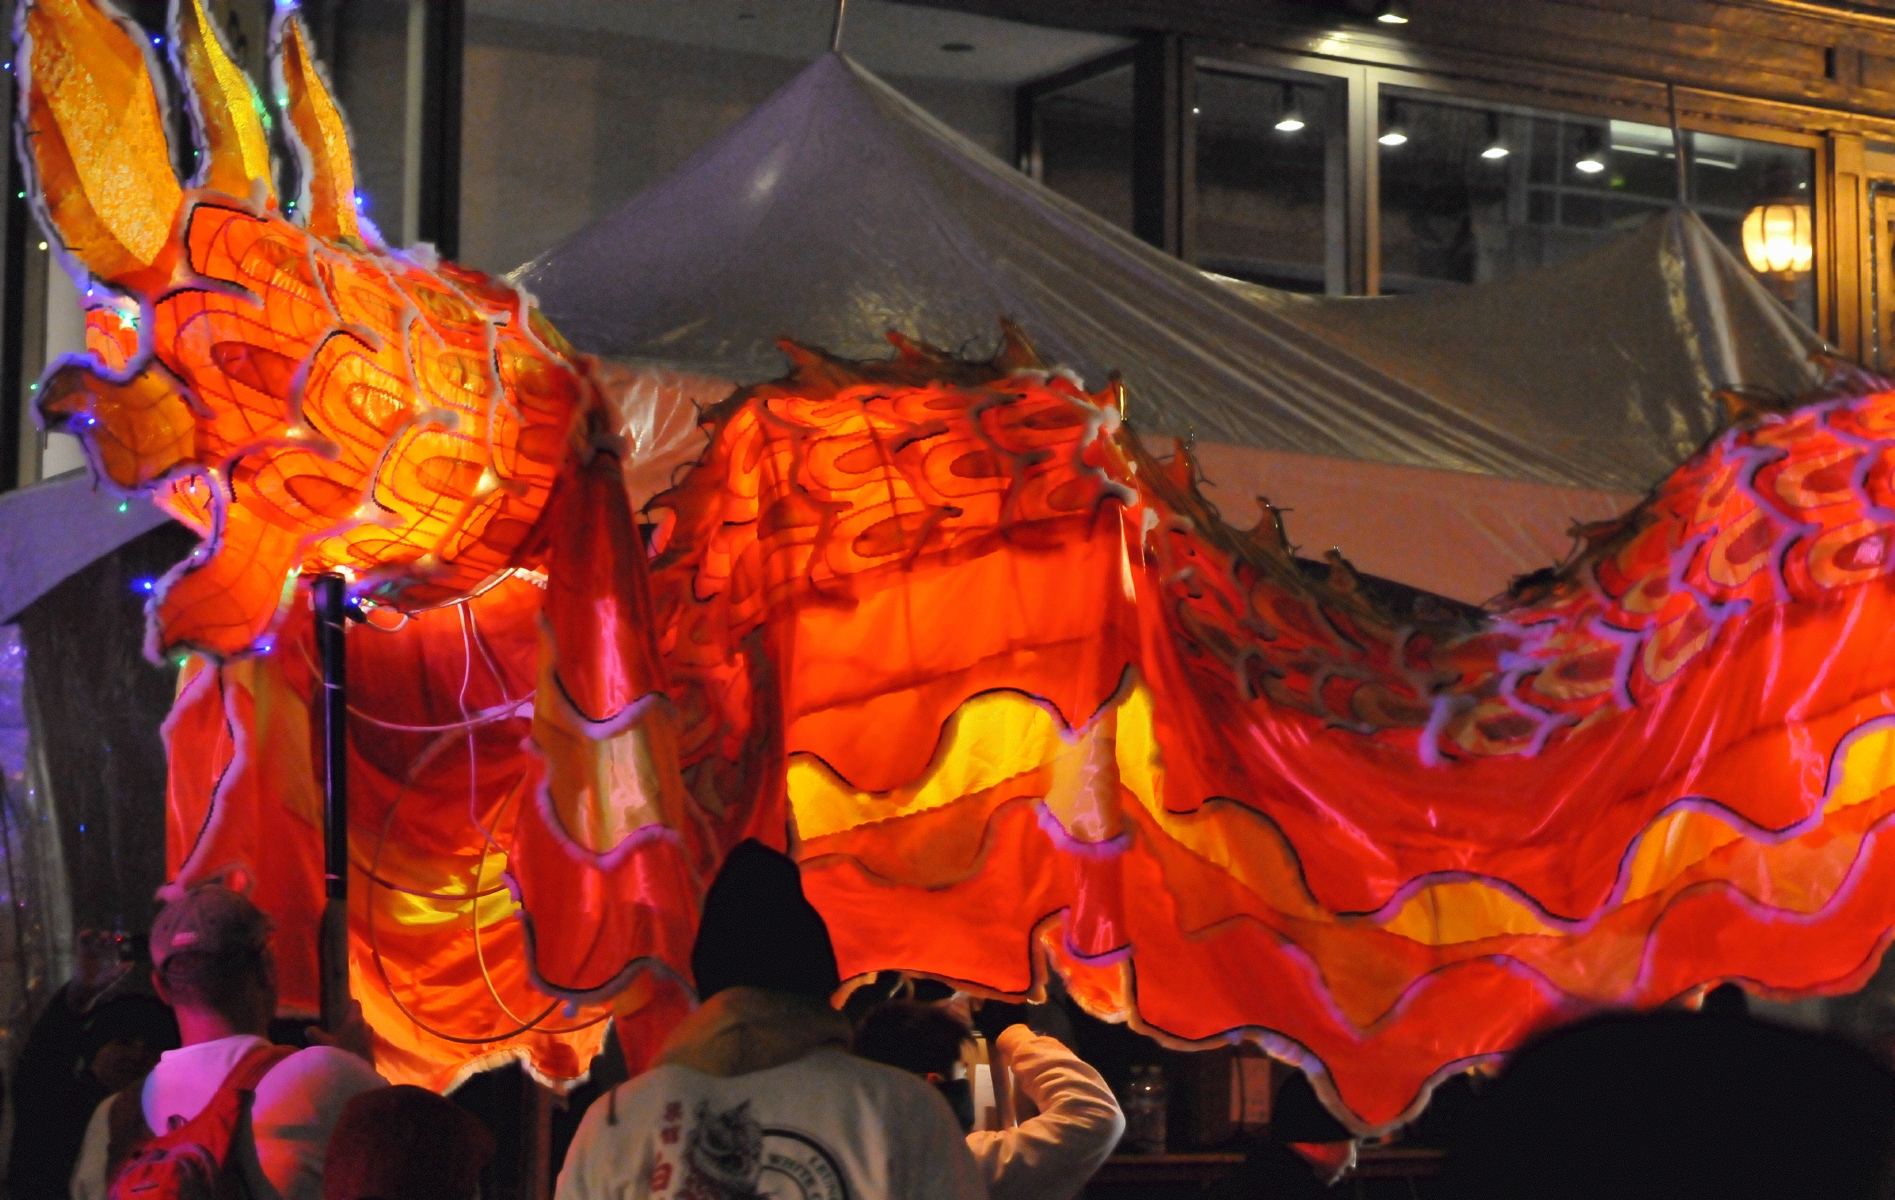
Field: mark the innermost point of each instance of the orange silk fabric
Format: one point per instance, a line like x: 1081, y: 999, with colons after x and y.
x: 439, y: 714
x: 474, y: 788
x: 1039, y: 704
x: 1020, y: 701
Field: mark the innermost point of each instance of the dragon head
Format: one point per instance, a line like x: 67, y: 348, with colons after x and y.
x: 305, y: 397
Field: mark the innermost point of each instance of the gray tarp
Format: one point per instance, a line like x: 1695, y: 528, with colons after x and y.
x: 837, y: 209
x: 59, y: 526
x: 1604, y: 363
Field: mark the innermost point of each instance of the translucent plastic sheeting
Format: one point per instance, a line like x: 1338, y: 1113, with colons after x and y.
x: 837, y: 210
x: 96, y: 705
x: 1453, y: 534
x: 1606, y: 362
x: 658, y: 416
x: 36, y: 931
x: 81, y: 811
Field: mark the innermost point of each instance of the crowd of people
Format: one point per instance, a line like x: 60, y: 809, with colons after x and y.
x: 154, y: 1076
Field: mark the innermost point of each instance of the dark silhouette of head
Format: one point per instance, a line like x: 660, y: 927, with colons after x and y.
x: 1680, y: 1105
x: 758, y: 930
x: 923, y: 1039
x: 405, y: 1143
x: 1725, y: 1000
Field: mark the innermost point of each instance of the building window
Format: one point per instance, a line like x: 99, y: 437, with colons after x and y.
x: 1270, y: 155
x: 1080, y: 141
x: 1733, y: 177
x: 1471, y: 193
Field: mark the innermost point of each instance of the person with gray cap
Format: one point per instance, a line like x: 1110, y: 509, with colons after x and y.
x: 756, y: 1093
x: 210, y: 949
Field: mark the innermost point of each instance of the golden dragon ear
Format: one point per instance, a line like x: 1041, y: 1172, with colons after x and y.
x: 326, y: 203
x: 92, y: 134
x: 226, y: 111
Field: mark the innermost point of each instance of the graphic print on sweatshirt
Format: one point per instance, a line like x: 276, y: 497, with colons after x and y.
x: 730, y: 1155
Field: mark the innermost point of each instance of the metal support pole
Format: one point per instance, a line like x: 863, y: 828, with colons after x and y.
x: 330, y: 596
x: 536, y: 1139
x: 1677, y: 148
x: 835, y: 31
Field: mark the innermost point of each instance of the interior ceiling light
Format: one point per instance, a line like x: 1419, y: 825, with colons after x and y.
x: 1290, y: 113
x: 1394, y: 12
x: 1393, y: 132
x: 1593, y: 160
x: 1496, y: 149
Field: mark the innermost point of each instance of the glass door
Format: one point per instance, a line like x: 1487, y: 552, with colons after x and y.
x: 1881, y: 349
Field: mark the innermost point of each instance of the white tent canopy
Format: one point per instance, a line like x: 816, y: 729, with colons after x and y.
x: 1444, y: 440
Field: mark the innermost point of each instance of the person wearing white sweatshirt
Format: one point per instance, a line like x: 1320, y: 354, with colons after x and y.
x: 1069, y: 1121
x: 756, y: 1094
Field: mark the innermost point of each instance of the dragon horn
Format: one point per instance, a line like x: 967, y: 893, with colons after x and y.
x: 91, y: 132
x: 226, y: 112
x: 326, y: 201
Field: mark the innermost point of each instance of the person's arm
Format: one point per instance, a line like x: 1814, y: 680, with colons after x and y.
x: 88, y: 1174
x: 932, y: 1161
x: 1050, y: 1156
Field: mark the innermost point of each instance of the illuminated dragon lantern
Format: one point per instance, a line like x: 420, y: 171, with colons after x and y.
x: 1008, y: 687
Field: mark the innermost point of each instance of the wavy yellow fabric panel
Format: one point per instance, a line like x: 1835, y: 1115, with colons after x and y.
x: 988, y: 741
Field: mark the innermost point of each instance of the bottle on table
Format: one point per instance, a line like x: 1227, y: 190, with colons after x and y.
x: 1145, y: 1111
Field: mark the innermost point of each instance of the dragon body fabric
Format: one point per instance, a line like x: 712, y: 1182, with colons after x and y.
x: 1011, y: 691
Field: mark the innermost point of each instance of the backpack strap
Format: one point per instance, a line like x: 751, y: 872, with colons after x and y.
x: 129, y: 1132
x: 252, y: 1067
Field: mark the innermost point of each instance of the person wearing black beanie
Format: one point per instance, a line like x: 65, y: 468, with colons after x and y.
x: 756, y: 1093
x: 758, y: 930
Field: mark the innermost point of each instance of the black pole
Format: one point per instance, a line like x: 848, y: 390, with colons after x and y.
x: 443, y: 49
x: 1677, y: 148
x: 330, y: 596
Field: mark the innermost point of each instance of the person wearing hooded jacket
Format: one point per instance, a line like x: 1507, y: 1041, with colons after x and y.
x: 1073, y: 1122
x: 756, y: 1093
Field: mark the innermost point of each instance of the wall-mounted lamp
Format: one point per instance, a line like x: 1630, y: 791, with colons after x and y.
x: 1289, y: 112
x: 1393, y: 12
x: 1496, y: 149
x: 1777, y: 238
